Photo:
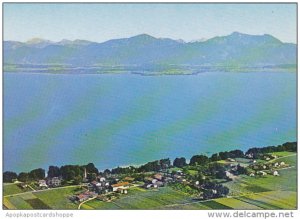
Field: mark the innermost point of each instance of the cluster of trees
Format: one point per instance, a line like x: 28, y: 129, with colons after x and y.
x: 227, y: 154
x: 241, y: 170
x: 67, y: 172
x: 9, y: 176
x: 185, y: 188
x: 203, y: 160
x: 124, y: 170
x: 35, y: 174
x: 217, y: 170
x: 214, y: 190
x: 258, y: 152
x: 199, y: 160
x: 179, y: 162
x: 155, y: 165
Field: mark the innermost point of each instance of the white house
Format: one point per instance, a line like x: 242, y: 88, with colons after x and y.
x: 249, y: 155
x: 54, y: 181
x: 154, y: 181
x: 42, y: 183
x: 262, y: 173
x: 122, y: 185
x: 102, y: 179
x: 230, y: 160
x: 228, y: 174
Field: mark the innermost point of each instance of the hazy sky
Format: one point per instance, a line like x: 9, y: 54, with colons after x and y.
x: 101, y: 22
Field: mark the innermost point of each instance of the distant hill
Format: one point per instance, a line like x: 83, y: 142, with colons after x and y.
x: 236, y: 49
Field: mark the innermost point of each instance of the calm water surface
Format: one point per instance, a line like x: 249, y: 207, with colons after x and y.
x: 113, y: 120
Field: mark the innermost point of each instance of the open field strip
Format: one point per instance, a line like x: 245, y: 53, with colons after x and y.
x: 56, y: 198
x: 43, y: 190
x: 282, y: 157
x: 8, y: 204
x: 12, y: 189
x: 236, y: 204
x: 139, y: 198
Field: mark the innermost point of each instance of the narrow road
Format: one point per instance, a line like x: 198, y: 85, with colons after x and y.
x: 79, y: 206
x: 31, y: 188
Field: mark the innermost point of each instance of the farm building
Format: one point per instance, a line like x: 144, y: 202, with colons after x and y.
x: 55, y: 181
x: 122, y: 185
x: 42, y: 183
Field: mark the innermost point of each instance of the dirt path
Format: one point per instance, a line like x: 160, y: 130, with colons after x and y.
x: 79, y: 206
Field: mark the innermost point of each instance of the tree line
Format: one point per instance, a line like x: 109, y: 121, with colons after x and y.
x: 76, y: 172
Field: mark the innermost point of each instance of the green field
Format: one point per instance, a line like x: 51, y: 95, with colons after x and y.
x: 236, y: 204
x: 13, y: 188
x: 47, y: 199
x: 287, y: 181
x: 282, y: 153
x: 272, y: 200
x: 138, y: 198
x: 265, y: 200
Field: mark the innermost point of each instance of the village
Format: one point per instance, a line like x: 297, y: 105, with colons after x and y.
x: 108, y: 186
x: 202, y: 178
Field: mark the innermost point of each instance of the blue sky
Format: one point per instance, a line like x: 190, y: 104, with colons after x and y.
x: 101, y: 22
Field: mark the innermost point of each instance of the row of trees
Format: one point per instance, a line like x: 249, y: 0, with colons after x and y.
x: 256, y: 152
x: 75, y: 172
x: 35, y: 174
x: 67, y: 172
x: 157, y: 165
x: 203, y: 160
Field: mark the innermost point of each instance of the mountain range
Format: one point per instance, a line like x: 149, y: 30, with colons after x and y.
x: 236, y: 49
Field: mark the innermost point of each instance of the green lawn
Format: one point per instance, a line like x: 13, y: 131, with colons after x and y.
x: 236, y: 204
x: 282, y: 153
x: 272, y: 200
x: 97, y: 204
x: 7, y: 204
x: 36, y: 203
x: 58, y: 198
x: 190, y: 206
x: 287, y: 181
x: 138, y: 198
x: 215, y: 205
x: 264, y: 200
x: 10, y: 189
x: 47, y: 199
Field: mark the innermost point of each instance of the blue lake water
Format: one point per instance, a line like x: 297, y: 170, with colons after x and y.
x: 112, y: 120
